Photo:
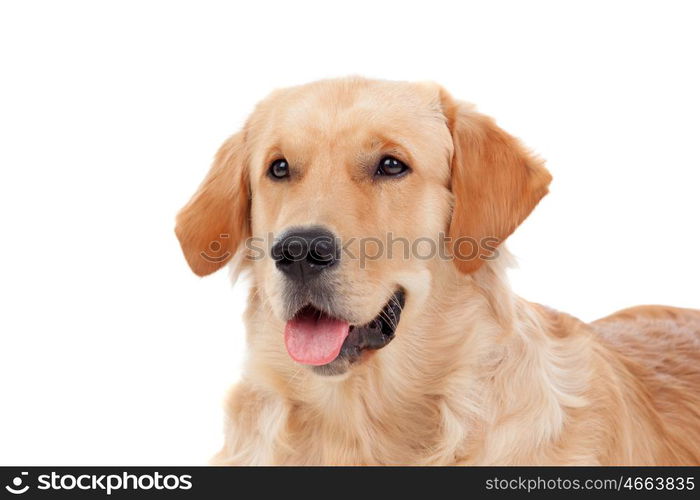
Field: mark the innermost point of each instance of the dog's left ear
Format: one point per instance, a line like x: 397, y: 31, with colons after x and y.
x: 496, y: 183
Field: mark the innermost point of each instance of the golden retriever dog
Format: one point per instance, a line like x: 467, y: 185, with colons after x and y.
x: 381, y: 329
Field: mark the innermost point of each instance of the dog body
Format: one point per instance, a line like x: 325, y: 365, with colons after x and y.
x: 419, y: 360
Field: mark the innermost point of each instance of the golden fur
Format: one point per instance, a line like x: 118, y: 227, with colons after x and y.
x: 475, y: 375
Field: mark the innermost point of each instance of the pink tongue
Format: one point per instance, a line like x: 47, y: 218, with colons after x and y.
x: 311, y: 340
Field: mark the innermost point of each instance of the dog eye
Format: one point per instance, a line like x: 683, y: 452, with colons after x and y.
x: 279, y: 169
x: 391, y: 167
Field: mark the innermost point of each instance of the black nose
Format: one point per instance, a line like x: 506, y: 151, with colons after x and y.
x: 303, y: 254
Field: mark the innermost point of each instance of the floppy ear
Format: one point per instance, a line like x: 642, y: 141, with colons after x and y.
x: 495, y: 182
x: 216, y: 220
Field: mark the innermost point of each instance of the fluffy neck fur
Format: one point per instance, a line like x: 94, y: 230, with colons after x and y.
x: 492, y: 379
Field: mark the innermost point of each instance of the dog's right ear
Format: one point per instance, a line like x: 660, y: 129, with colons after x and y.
x: 216, y: 220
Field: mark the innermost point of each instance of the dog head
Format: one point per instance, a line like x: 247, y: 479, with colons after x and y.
x: 344, y: 195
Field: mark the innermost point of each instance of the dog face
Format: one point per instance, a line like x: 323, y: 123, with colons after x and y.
x: 349, y: 193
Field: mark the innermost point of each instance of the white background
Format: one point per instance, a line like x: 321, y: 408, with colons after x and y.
x: 110, y: 113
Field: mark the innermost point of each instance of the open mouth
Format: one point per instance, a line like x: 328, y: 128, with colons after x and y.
x: 314, y: 338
